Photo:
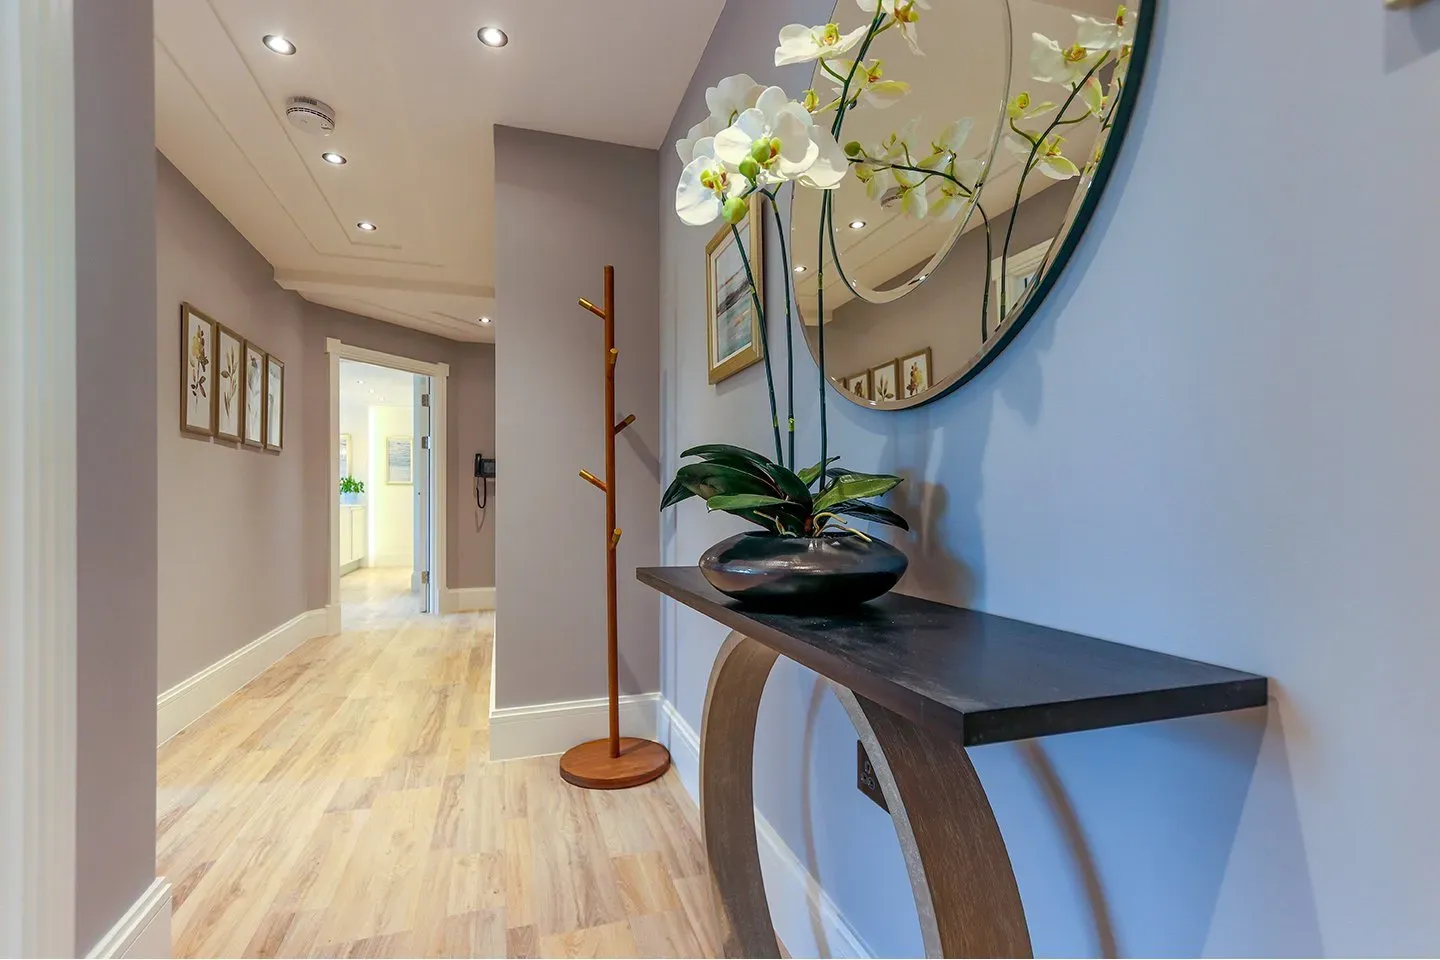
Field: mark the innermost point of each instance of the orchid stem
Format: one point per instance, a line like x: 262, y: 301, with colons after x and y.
x: 764, y: 338
x: 789, y: 335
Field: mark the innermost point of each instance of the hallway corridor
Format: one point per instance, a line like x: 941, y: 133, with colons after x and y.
x: 343, y: 804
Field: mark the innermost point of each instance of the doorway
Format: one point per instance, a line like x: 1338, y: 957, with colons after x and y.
x: 387, y: 498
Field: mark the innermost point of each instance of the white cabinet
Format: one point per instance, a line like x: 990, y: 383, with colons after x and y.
x: 352, y: 537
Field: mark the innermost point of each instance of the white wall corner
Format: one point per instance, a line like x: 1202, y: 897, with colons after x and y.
x: 807, y: 921
x: 462, y: 599
x: 144, y: 930
x: 541, y: 729
x: 192, y: 698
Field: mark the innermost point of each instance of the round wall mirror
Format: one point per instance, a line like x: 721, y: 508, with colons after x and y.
x: 978, y: 165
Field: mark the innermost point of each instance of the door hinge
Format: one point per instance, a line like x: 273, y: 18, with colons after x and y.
x: 425, y: 577
x: 424, y: 443
x: 424, y: 399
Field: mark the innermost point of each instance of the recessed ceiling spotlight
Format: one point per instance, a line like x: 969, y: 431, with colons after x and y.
x: 367, y: 226
x: 334, y: 158
x: 800, y: 268
x: 279, y: 44
x: 492, y: 36
x: 484, y: 319
x: 857, y: 224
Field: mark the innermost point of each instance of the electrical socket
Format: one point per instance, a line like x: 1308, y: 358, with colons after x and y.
x: 865, y: 780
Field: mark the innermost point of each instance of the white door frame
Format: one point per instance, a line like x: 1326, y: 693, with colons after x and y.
x: 438, y: 374
x: 37, y: 500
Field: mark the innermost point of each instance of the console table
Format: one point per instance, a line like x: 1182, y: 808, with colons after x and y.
x: 921, y: 681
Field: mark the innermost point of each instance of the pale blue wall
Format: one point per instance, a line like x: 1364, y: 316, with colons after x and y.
x: 1218, y: 439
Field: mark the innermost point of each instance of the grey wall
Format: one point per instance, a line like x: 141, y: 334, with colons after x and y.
x: 116, y: 461
x: 267, y: 514
x: 943, y: 313
x: 564, y: 209
x: 1217, y: 439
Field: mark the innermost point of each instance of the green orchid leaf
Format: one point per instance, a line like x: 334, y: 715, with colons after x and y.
x: 809, y: 474
x: 734, y: 502
x: 790, y: 485
x: 756, y: 470
x: 712, y: 479
x: 870, y: 511
x: 855, y: 486
x: 711, y: 451
x: 676, y: 492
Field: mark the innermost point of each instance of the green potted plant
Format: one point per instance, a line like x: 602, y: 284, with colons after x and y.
x: 351, y: 490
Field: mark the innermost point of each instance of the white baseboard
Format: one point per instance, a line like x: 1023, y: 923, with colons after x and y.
x: 806, y: 919
x: 460, y: 599
x: 191, y: 699
x: 144, y: 930
x: 541, y: 729
x: 352, y: 566
x: 406, y: 560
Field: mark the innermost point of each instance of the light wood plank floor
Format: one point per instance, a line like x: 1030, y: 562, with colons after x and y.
x: 344, y: 804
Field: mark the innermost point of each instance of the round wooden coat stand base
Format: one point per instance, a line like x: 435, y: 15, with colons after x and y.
x: 590, y: 765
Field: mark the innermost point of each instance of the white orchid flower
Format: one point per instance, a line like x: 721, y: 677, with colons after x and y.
x: 878, y: 181
x: 1022, y: 107
x: 775, y: 136
x: 1049, y: 157
x: 802, y: 44
x: 1053, y: 64
x: 708, y: 188
x: 905, y: 13
x: 685, y: 146
x: 868, y: 84
x: 1099, y: 35
x: 1093, y: 96
x: 950, y: 204
x: 914, y: 202
x: 731, y: 97
x: 830, y: 164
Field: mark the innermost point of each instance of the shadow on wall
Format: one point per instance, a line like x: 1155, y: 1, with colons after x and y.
x: 1410, y: 35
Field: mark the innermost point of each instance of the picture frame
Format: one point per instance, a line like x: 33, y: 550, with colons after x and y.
x: 400, y: 459
x: 1021, y: 270
x: 885, y: 381
x: 344, y: 455
x: 857, y: 384
x: 254, y: 403
x: 229, y: 371
x: 274, y: 403
x: 197, y: 372
x: 914, y: 374
x: 733, y: 337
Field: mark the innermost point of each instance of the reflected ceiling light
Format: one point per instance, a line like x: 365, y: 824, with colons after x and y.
x: 367, y: 226
x: 484, y: 319
x: 279, y: 44
x: 800, y: 268
x: 857, y: 224
x: 334, y: 158
x: 492, y: 36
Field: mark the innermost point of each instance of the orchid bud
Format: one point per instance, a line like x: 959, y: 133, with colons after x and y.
x: 749, y: 169
x: 760, y: 150
x: 811, y: 101
x: 853, y: 149
x: 735, y: 209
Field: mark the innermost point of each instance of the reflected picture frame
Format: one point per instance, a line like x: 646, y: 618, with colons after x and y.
x: 857, y: 384
x: 885, y: 381
x: 733, y: 336
x: 910, y: 367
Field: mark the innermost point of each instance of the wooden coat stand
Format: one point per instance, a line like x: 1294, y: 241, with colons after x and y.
x: 614, y: 762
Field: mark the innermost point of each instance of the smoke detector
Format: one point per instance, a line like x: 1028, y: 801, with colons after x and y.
x: 311, y: 115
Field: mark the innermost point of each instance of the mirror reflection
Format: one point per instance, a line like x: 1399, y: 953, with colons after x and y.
x: 973, y: 167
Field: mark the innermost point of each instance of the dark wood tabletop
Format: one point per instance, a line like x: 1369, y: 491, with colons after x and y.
x: 976, y: 676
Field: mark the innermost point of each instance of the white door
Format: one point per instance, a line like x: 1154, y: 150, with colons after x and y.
x: 422, y: 448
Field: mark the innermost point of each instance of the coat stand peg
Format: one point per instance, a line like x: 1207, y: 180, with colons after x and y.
x: 614, y: 762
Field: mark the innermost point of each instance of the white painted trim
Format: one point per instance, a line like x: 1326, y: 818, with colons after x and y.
x: 439, y: 373
x: 37, y: 500
x: 192, y: 698
x: 333, y: 619
x: 144, y: 930
x: 541, y: 729
x: 806, y: 920
x: 461, y: 599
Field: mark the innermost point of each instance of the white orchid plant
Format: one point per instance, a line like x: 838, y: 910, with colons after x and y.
x: 757, y: 138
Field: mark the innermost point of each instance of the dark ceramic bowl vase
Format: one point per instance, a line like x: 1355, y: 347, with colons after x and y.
x: 802, y: 574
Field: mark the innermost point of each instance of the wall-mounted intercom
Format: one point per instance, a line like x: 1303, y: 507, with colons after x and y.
x: 484, y: 466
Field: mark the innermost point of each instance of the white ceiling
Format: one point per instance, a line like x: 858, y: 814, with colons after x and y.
x: 416, y: 97
x: 366, y: 385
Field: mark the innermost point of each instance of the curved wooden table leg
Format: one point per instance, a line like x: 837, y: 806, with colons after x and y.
x: 964, y: 884
x: 965, y: 890
x: 727, y: 800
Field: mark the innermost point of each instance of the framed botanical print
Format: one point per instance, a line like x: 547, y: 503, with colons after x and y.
x: 399, y: 459
x: 884, y: 381
x: 197, y: 372
x: 274, y: 404
x: 253, y: 406
x: 344, y: 455
x: 915, y: 374
x: 858, y: 384
x: 230, y: 398
x: 732, y: 323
